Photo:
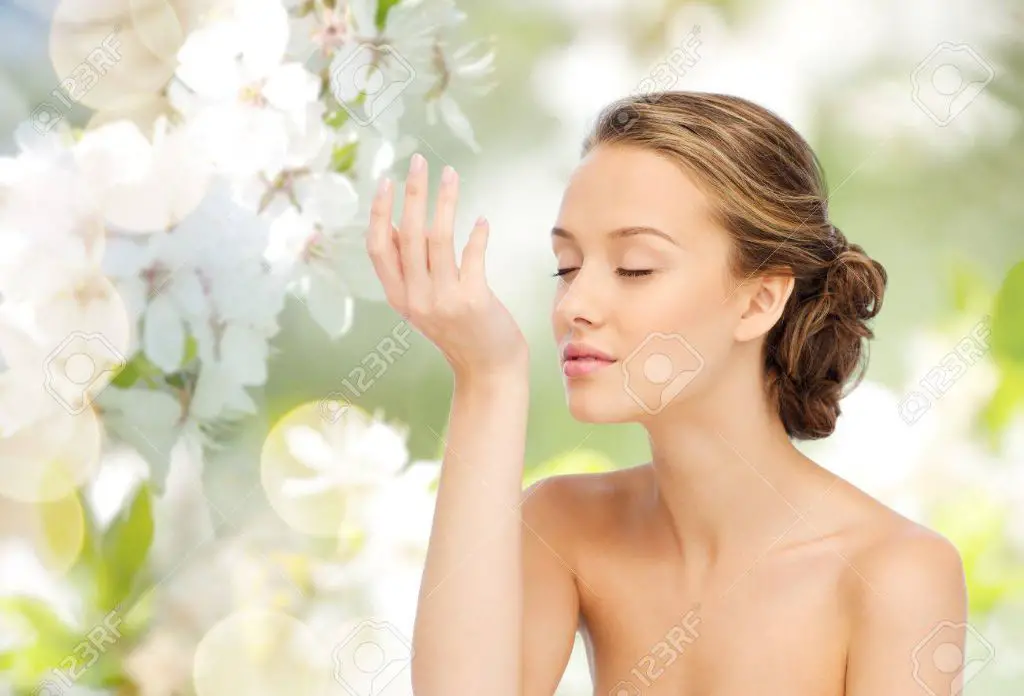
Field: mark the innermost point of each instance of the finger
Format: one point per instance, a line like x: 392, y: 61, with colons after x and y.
x: 395, y: 244
x: 397, y: 253
x: 440, y: 247
x: 473, y: 270
x: 411, y: 241
x: 380, y: 245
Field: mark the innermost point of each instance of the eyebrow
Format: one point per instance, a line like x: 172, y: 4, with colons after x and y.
x: 619, y: 233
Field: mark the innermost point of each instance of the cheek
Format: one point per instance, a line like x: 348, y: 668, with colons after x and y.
x: 556, y: 320
x: 687, y: 307
x: 683, y: 299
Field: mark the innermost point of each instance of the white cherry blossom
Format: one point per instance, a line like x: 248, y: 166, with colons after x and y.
x: 140, y: 183
x: 252, y: 108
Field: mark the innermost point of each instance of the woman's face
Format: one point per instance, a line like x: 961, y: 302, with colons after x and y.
x: 644, y: 281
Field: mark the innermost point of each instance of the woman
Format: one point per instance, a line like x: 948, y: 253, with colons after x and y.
x: 705, y: 294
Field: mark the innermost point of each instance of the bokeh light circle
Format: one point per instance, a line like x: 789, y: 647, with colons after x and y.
x: 261, y: 652
x: 51, y: 458
x: 108, y: 51
x: 55, y: 530
x: 319, y: 466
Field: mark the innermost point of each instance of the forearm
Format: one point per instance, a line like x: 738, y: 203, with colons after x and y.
x: 467, y: 637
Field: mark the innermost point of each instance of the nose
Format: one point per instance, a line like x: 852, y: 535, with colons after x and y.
x: 581, y: 303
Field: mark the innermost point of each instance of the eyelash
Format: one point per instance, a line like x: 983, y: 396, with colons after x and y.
x: 623, y: 272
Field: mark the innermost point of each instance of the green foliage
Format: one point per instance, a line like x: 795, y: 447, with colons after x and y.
x: 383, y: 7
x: 336, y: 118
x: 140, y: 367
x: 1008, y: 318
x: 105, y: 571
x: 52, y: 640
x: 976, y: 524
x: 125, y: 547
x: 1005, y: 401
x: 55, y: 651
x: 1008, y: 352
x: 970, y: 291
x: 343, y: 157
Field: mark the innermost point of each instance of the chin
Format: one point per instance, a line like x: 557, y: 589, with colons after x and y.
x: 592, y: 402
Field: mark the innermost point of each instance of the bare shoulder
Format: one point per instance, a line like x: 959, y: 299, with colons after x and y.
x: 577, y: 502
x: 906, y: 559
x: 897, y: 564
x: 904, y: 595
x: 907, y: 550
x: 888, y: 551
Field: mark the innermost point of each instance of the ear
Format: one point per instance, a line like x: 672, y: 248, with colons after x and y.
x: 763, y: 298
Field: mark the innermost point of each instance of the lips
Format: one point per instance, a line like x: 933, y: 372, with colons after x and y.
x: 579, y: 359
x: 574, y: 351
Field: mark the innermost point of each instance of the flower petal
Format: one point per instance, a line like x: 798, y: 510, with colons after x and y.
x: 330, y: 302
x: 163, y: 334
x: 456, y: 120
x: 309, y: 447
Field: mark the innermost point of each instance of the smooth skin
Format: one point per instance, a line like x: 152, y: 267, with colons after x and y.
x: 728, y: 564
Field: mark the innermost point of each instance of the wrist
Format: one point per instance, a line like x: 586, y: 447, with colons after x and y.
x: 498, y: 379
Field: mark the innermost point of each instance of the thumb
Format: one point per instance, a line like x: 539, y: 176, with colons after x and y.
x: 473, y: 255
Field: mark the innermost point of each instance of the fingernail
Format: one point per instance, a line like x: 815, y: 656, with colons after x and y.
x: 383, y: 185
x: 447, y: 175
x: 481, y: 221
x: 416, y: 165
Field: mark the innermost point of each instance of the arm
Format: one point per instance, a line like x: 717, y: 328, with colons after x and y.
x: 551, y: 599
x: 908, y: 619
x: 468, y: 631
x: 495, y: 621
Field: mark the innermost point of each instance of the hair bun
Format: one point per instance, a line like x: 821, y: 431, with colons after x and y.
x: 820, y: 344
x: 855, y: 282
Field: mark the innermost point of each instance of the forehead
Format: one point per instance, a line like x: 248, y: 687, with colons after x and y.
x: 620, y: 186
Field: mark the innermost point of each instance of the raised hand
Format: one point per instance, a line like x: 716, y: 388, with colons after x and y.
x: 452, y: 306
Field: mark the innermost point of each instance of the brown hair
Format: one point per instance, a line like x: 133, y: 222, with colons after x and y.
x: 768, y: 190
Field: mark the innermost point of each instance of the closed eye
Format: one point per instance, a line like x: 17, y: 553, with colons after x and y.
x: 624, y: 272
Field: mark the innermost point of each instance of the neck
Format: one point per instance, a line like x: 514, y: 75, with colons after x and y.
x: 726, y: 477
